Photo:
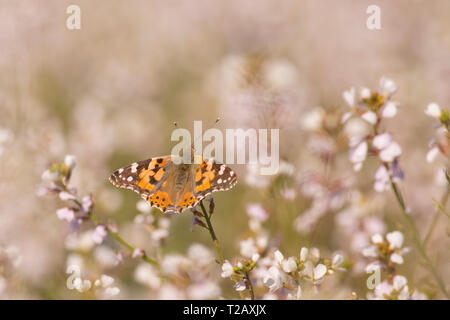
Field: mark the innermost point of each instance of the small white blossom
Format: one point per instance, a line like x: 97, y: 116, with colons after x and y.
x: 337, y: 260
x: 227, y: 269
x: 66, y: 196
x: 365, y: 93
x: 433, y: 110
x: 382, y: 179
x: 387, y: 85
x: 350, y: 96
x: 278, y: 256
x: 303, y: 254
x: 392, y: 151
x: 70, y: 161
x: 289, y: 265
x: 274, y: 279
x: 396, y: 258
x: 99, y: 234
x: 65, y: 214
x: 390, y: 109
x: 240, y: 285
x: 257, y: 211
x: 432, y: 154
x: 49, y: 176
x: 106, y: 280
x: 370, y: 117
x: 319, y: 271
x: 395, y: 239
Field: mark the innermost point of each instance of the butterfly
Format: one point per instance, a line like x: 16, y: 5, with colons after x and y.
x: 173, y: 187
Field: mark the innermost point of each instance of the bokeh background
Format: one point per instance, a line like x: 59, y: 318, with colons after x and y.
x: 109, y: 94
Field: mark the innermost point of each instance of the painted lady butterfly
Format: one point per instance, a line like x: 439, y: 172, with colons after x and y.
x: 174, y: 187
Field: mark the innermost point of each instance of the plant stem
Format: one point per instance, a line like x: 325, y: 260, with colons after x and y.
x: 440, y: 206
x: 252, y: 293
x: 416, y: 237
x: 121, y: 240
x: 212, y: 233
x: 97, y: 222
x: 216, y: 242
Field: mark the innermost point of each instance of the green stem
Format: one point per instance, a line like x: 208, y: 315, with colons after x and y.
x: 416, y: 236
x: 440, y: 206
x: 252, y: 293
x: 97, y: 222
x: 216, y: 242
x: 212, y: 233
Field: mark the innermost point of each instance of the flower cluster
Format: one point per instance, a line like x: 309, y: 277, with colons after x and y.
x: 397, y: 289
x: 386, y: 253
x: 371, y: 108
x: 440, y: 144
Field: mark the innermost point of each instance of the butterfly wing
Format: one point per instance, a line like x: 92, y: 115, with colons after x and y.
x: 211, y: 176
x: 174, y: 187
x: 145, y: 178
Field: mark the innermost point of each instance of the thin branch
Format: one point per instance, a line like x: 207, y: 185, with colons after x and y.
x: 416, y: 236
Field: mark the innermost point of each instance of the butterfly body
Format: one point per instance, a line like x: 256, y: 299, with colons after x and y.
x: 173, y: 187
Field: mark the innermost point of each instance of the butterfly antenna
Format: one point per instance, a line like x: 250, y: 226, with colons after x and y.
x: 209, y: 127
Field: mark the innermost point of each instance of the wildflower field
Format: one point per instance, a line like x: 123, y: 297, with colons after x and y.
x: 357, y: 208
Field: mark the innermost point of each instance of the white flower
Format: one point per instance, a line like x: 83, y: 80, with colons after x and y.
x: 384, y: 288
x: 278, y: 256
x: 391, y: 152
x: 227, y: 269
x: 370, y: 252
x: 349, y: 96
x: 315, y: 254
x: 359, y: 153
x: 49, y: 176
x: 319, y: 271
x: 433, y: 110
x: 240, y: 285
x: 273, y: 279
x: 396, y: 258
x: 248, y: 247
x: 255, y: 257
x: 303, y: 254
x: 257, y: 211
x: 147, y: 275
x: 111, y: 292
x: 390, y: 109
x: 313, y: 119
x: 143, y: 206
x: 399, y: 282
x: 105, y: 281
x: 395, y: 239
x: 432, y: 154
x: 337, y: 260
x: 99, y: 234
x: 159, y: 234
x: 381, y: 141
x: 370, y: 117
x: 63, y: 195
x: 389, y: 149
x: 70, y: 161
x: 365, y: 93
x: 65, y: 214
x: 289, y: 265
x: 82, y: 285
x: 387, y: 85
x: 382, y: 179
x: 377, y: 238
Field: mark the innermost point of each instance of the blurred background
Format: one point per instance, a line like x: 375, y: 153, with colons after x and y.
x: 109, y: 94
